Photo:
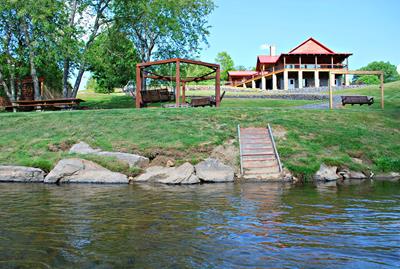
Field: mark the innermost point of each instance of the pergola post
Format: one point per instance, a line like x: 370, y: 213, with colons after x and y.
x: 382, y: 92
x: 217, y: 87
x: 183, y: 92
x: 178, y: 84
x: 138, y: 87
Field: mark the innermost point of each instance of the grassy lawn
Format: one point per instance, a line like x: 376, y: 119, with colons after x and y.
x: 121, y: 100
x: 313, y: 136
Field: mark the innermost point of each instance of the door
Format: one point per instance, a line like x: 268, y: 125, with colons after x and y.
x: 291, y: 83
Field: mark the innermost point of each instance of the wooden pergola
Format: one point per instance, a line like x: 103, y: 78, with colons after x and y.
x: 141, y: 72
x: 355, y: 72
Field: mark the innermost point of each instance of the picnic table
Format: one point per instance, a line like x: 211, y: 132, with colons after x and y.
x: 29, y: 105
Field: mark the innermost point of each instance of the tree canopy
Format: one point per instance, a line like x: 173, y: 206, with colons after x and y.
x: 226, y: 63
x: 389, y: 71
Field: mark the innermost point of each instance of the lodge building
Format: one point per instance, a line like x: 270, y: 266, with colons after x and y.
x: 307, y: 65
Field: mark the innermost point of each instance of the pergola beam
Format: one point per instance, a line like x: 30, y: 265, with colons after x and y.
x: 174, y: 60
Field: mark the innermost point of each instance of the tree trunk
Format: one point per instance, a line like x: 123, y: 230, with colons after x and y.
x: 5, y: 86
x: 65, y: 77
x: 78, y: 80
x: 67, y: 60
x: 12, y: 79
x: 34, y: 76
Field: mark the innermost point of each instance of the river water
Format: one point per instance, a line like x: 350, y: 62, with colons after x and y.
x: 205, y: 226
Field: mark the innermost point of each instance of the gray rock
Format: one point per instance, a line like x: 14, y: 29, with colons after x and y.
x: 326, y: 173
x: 83, y: 148
x: 154, y: 174
x: 212, y: 170
x: 391, y: 176
x: 183, y: 174
x: 357, y: 175
x: 10, y: 173
x: 132, y: 160
x: 82, y: 171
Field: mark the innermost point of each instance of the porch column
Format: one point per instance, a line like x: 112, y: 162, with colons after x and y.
x: 316, y: 79
x: 285, y: 80
x: 178, y: 83
x: 253, y: 84
x: 332, y: 79
x: 274, y: 82
x: 263, y: 84
x: 244, y: 85
x: 347, y: 80
x: 300, y: 79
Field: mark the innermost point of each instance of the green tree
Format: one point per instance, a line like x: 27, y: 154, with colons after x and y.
x: 389, y: 71
x: 162, y: 29
x: 112, y: 59
x: 226, y: 63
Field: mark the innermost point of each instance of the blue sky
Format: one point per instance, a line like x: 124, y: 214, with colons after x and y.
x: 370, y: 29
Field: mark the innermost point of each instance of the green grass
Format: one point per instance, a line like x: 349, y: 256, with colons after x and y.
x: 313, y: 136
x: 121, y: 100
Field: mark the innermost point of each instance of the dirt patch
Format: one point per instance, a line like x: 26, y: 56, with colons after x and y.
x: 62, y: 146
x: 161, y: 160
x: 227, y: 153
x: 279, y: 132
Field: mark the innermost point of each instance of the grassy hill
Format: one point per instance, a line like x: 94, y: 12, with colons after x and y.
x: 312, y: 136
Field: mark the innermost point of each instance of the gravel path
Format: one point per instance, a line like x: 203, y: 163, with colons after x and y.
x: 337, y: 103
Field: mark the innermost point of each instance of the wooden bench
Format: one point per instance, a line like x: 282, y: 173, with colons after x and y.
x: 205, y: 101
x: 357, y: 100
x: 29, y: 105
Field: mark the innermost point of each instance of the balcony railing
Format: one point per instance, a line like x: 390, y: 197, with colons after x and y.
x: 315, y: 66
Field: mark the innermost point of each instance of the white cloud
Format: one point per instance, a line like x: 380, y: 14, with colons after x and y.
x: 264, y: 47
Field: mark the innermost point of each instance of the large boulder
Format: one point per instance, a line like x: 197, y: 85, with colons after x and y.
x: 132, y: 160
x: 212, y: 170
x: 352, y: 175
x: 10, y: 173
x: 326, y: 173
x: 82, y: 171
x: 183, y: 174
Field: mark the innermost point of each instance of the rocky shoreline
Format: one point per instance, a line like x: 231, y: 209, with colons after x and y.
x: 210, y: 170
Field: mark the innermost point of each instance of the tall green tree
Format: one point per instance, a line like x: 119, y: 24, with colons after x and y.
x: 112, y: 59
x: 101, y: 18
x: 389, y: 71
x: 226, y: 63
x: 29, y: 40
x: 162, y: 29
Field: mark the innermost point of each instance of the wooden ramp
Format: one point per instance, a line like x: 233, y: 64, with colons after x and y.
x: 259, y: 158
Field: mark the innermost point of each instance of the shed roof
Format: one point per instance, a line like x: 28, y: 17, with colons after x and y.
x: 266, y: 59
x: 242, y: 73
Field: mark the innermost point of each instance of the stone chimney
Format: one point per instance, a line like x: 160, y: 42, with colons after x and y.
x: 272, y: 50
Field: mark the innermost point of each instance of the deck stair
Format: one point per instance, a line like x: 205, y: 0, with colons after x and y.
x: 259, y: 158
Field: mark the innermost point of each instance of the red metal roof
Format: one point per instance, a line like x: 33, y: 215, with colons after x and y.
x: 311, y: 46
x: 266, y: 59
x: 242, y: 73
